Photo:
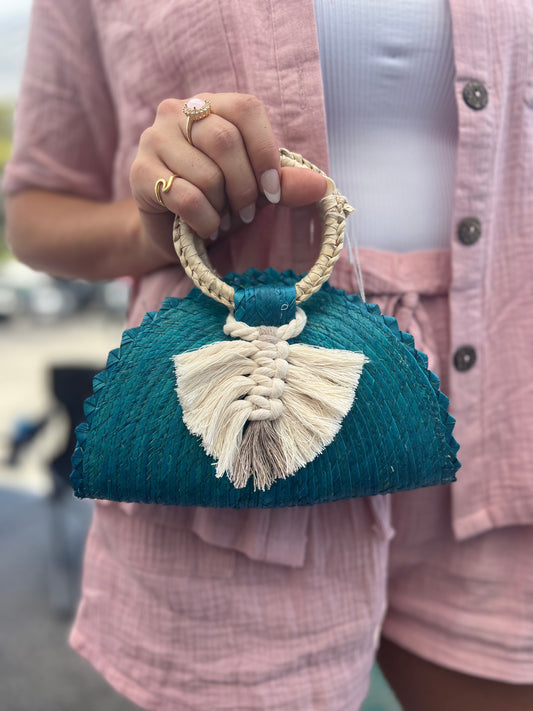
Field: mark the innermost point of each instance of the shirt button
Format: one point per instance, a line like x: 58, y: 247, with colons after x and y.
x: 469, y: 230
x: 475, y: 95
x: 464, y: 358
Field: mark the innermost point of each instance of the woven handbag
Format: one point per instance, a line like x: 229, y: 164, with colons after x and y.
x: 264, y: 389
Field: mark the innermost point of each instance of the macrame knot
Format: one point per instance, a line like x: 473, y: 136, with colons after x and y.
x: 238, y: 329
x: 265, y: 407
x: 268, y: 379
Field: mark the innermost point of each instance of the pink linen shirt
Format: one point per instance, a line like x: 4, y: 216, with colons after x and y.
x: 95, y: 74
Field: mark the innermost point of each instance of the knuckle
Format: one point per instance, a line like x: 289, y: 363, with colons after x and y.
x: 248, y: 103
x: 212, y: 181
x: 148, y: 138
x: 136, y: 172
x: 190, y: 203
x: 267, y: 147
x: 168, y: 106
x: 137, y: 178
x: 225, y: 137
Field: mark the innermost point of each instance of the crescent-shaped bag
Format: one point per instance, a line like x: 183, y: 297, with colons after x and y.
x: 264, y: 390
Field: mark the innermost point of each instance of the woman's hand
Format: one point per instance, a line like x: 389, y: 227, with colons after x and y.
x: 229, y: 170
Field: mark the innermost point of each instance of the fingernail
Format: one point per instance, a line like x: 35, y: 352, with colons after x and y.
x: 270, y: 185
x: 247, y: 213
x: 213, y: 235
x: 225, y: 222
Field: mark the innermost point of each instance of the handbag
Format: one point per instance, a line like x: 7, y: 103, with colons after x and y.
x: 264, y: 389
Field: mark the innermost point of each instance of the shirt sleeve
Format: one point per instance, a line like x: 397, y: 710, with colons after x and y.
x: 65, y: 131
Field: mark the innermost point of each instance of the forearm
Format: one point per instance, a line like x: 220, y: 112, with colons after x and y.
x: 74, y: 237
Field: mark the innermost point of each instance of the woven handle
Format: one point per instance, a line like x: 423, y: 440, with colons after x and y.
x: 333, y: 210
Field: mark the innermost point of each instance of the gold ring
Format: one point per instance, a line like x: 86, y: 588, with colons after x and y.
x: 164, y: 186
x: 195, y: 110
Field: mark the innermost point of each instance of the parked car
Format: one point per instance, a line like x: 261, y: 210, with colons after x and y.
x: 25, y: 292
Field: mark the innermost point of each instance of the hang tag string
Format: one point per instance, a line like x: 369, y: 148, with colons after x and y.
x: 353, y: 254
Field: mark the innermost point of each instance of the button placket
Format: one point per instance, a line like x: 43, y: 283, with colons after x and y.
x: 475, y: 96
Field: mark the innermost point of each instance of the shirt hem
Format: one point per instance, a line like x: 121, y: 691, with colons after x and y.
x: 455, y: 652
x: 491, y: 517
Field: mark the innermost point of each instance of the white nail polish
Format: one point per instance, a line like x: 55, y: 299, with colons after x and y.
x: 247, y: 213
x: 270, y: 185
x: 225, y: 222
x: 213, y: 235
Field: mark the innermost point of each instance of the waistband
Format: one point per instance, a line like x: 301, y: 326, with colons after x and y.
x: 427, y: 273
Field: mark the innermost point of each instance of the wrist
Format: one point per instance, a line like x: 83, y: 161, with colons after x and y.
x: 152, y: 233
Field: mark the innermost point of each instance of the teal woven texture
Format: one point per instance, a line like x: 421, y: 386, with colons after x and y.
x: 134, y: 446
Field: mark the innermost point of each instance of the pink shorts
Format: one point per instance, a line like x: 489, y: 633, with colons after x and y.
x: 173, y: 622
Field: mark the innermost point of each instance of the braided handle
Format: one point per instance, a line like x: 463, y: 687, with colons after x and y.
x: 333, y: 210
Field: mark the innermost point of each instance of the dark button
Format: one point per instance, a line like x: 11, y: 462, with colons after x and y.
x: 475, y: 95
x: 464, y: 358
x: 469, y: 230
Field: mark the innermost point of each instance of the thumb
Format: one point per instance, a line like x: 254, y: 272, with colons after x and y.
x: 301, y: 186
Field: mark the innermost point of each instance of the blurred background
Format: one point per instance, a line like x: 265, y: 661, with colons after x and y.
x: 54, y: 335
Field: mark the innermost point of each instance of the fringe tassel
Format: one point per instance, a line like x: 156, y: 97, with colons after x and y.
x: 265, y: 408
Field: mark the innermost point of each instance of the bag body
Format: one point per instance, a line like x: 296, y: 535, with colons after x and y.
x: 135, y: 446
x: 264, y: 390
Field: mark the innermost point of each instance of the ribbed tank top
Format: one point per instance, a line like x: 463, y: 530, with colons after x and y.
x: 388, y: 75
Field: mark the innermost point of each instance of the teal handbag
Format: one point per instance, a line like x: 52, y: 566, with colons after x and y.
x: 261, y: 390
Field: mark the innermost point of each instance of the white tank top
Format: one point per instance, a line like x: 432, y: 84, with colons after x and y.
x: 388, y: 74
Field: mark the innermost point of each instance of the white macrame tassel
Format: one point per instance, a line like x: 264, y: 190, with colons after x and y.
x: 261, y: 406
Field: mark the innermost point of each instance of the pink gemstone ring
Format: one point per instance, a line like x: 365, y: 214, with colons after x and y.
x: 195, y: 110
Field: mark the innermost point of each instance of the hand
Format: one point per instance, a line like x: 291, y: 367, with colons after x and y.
x: 232, y: 168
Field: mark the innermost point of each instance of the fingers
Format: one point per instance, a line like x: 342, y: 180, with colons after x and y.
x: 167, y: 141
x: 183, y: 198
x: 238, y: 137
x: 301, y: 186
x: 235, y: 140
x: 223, y: 143
x: 232, y: 161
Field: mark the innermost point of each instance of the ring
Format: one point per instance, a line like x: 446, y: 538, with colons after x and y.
x: 163, y: 185
x: 195, y: 110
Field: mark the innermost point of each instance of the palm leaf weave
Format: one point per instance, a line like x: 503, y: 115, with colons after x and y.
x: 134, y: 445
